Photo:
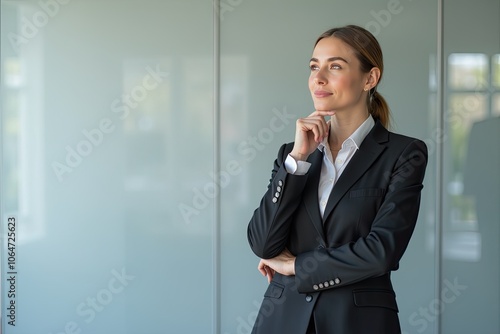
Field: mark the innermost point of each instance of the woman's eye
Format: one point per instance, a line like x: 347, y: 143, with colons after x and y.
x: 335, y: 67
x: 313, y: 67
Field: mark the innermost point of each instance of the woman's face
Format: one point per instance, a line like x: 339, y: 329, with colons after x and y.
x: 336, y: 81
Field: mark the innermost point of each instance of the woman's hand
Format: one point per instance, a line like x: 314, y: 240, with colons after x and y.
x: 283, y: 264
x: 309, y: 132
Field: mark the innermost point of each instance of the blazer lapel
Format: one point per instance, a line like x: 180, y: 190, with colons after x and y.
x: 311, y: 192
x: 368, y: 152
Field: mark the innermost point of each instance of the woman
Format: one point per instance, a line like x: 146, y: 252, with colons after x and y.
x: 342, y: 202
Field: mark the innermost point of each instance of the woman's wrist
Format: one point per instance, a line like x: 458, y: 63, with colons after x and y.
x: 298, y: 156
x: 292, y: 263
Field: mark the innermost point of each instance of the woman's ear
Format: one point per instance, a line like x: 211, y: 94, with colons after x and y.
x: 372, y: 78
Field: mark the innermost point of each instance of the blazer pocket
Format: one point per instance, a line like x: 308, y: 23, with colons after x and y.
x: 274, y: 290
x: 367, y: 192
x: 375, y: 298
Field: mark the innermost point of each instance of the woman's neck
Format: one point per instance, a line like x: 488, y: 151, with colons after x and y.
x: 343, y: 125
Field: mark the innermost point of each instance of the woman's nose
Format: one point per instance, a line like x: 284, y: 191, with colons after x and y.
x: 319, y: 78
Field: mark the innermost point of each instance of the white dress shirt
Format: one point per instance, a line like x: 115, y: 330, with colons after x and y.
x: 331, y: 170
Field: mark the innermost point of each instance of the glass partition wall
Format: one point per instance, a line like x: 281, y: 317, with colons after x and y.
x: 106, y: 133
x: 471, y: 165
x: 137, y: 138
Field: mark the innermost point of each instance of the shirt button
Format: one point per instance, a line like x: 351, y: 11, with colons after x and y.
x: 309, y: 298
x: 331, y: 180
x: 323, y: 203
x: 339, y: 161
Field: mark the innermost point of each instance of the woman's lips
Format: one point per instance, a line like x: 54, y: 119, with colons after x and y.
x: 322, y: 93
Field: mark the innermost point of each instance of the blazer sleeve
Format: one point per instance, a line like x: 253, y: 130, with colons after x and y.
x: 269, y: 226
x: 380, y: 251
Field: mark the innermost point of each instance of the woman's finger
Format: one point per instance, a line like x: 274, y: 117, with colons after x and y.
x: 322, y: 113
x: 266, y: 271
x: 309, y: 132
x: 317, y: 125
x: 270, y: 274
x: 262, y: 268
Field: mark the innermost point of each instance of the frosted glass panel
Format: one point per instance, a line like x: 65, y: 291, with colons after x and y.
x: 471, y: 226
x: 106, y: 133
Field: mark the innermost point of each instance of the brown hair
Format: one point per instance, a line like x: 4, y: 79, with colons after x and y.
x: 368, y: 52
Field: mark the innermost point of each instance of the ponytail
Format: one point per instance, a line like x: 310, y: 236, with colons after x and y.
x: 379, y: 108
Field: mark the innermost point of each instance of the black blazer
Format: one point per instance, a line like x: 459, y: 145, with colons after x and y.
x: 344, y: 260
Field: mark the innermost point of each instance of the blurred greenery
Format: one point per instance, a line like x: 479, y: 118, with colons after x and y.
x: 467, y: 72
x: 496, y: 71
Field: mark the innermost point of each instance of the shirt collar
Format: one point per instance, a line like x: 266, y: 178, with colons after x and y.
x: 356, y: 138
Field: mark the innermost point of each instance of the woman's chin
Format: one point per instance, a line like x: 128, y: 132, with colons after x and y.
x: 323, y: 107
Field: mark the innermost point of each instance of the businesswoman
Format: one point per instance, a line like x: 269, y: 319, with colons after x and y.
x: 342, y: 202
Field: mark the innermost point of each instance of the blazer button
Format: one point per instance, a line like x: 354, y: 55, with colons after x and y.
x: 309, y: 298
x: 315, y: 287
x: 277, y: 195
x: 321, y: 285
x: 326, y: 284
x: 280, y: 183
x: 332, y: 282
x: 337, y: 280
x: 275, y: 199
x: 278, y: 188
